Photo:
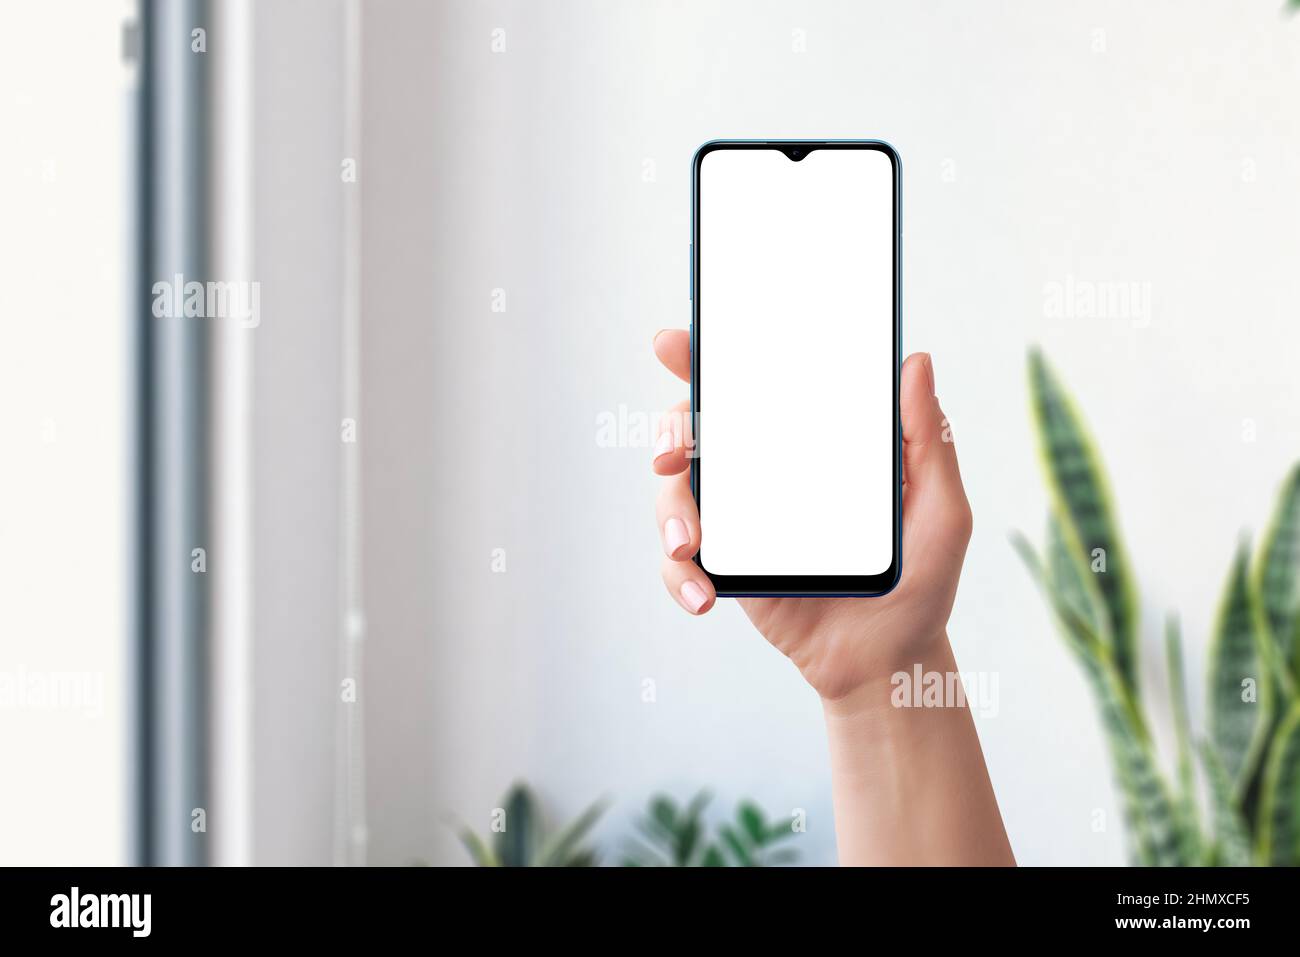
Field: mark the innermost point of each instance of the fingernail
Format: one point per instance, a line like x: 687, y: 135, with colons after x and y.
x: 929, y: 371
x: 675, y: 536
x: 657, y: 335
x: 664, y: 445
x: 694, y: 596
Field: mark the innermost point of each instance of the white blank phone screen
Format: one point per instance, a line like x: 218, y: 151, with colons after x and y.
x: 796, y: 385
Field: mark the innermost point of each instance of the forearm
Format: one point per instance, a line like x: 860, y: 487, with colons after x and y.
x: 910, y: 785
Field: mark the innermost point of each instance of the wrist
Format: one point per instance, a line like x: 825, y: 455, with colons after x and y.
x: 888, y: 687
x: 909, y: 781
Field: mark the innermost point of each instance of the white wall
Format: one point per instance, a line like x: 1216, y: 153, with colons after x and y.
x: 297, y: 410
x: 1111, y: 156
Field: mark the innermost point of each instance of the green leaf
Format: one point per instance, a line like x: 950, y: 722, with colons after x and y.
x: 713, y: 857
x: 752, y: 821
x: 1065, y: 586
x: 479, y: 852
x: 1231, y: 839
x: 1078, y: 487
x: 1238, y: 724
x: 1276, y: 579
x: 642, y: 855
x: 687, y: 838
x: 1068, y: 572
x: 516, y: 843
x: 1056, y: 592
x: 1158, y: 838
x: 653, y: 831
x: 690, y: 831
x: 663, y: 811
x: 562, y: 849
x: 1190, y: 824
x: 697, y: 805
x: 674, y: 835
x: 732, y: 840
x: 780, y: 831
x: 1280, y: 805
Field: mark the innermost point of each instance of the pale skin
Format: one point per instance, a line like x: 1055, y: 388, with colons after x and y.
x: 909, y: 784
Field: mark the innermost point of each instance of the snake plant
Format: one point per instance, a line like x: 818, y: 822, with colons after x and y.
x: 1250, y: 755
x: 519, y: 838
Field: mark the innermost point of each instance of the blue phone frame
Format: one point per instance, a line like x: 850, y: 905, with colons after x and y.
x: 803, y: 586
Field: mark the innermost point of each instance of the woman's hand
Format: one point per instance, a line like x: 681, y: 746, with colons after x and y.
x: 839, y: 644
x: 909, y: 783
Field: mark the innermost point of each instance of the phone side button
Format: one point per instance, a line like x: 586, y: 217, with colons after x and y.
x: 690, y: 264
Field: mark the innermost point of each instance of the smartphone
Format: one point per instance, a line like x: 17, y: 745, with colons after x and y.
x: 796, y: 466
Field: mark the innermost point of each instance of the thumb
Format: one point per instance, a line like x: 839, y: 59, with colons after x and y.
x: 929, y: 457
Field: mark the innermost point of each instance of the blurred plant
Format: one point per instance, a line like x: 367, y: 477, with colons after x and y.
x: 751, y: 840
x: 678, y: 837
x: 521, y: 840
x: 673, y: 836
x: 1251, y: 760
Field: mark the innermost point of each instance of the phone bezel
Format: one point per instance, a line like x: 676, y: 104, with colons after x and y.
x: 774, y: 586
